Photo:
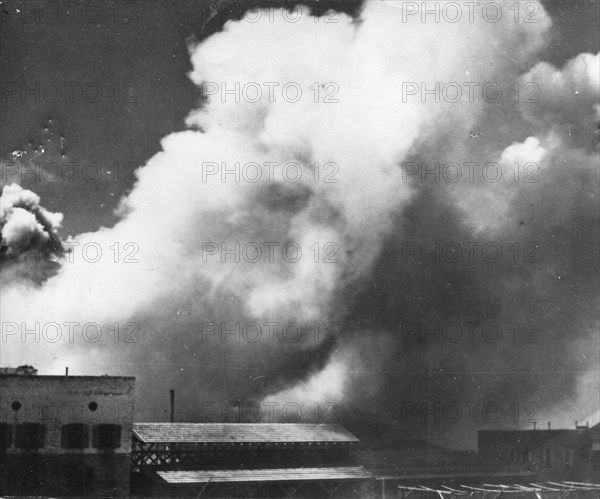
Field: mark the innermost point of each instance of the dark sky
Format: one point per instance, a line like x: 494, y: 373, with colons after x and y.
x: 136, y: 55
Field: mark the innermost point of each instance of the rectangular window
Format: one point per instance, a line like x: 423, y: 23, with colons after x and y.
x: 107, y: 436
x: 5, y: 435
x: 30, y: 436
x: 74, y: 436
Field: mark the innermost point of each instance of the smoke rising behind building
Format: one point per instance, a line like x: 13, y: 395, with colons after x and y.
x: 532, y: 229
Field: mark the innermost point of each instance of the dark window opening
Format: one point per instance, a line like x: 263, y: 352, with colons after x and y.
x: 107, y: 436
x: 30, y: 436
x: 5, y: 435
x: 16, y: 405
x: 74, y: 436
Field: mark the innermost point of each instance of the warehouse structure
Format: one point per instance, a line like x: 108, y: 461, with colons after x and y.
x: 246, y: 460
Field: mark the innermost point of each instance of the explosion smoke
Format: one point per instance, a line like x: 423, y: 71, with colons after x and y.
x: 175, y: 209
x: 25, y: 225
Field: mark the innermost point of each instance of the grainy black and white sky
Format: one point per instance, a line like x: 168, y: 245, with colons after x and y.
x: 148, y: 59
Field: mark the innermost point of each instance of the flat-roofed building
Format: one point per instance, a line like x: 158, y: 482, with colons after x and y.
x: 65, y: 436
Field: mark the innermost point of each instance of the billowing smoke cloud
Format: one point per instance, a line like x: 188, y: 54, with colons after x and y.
x: 571, y: 107
x: 544, y: 204
x: 169, y: 282
x: 26, y: 225
x: 30, y: 239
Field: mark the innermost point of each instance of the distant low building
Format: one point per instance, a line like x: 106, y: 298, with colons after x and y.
x: 67, y: 436
x: 564, y: 454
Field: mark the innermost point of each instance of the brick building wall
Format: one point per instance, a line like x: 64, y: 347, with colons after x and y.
x: 66, y: 435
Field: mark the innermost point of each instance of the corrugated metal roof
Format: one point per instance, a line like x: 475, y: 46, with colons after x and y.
x: 265, y: 475
x: 240, y: 432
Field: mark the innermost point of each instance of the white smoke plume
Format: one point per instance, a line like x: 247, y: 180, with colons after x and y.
x: 171, y: 211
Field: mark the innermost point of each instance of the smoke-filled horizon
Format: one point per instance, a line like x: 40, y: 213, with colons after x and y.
x: 425, y: 267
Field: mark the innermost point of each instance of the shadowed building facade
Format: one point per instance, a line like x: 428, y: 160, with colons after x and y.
x: 67, y: 436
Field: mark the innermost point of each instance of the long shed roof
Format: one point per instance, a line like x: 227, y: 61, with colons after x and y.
x: 241, y: 432
x: 265, y: 475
